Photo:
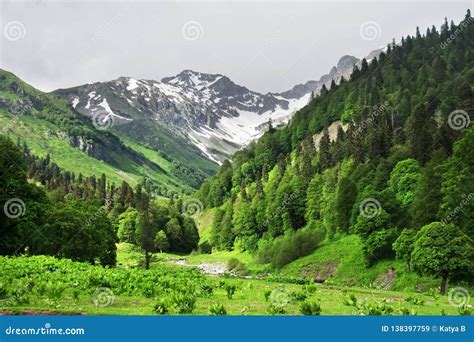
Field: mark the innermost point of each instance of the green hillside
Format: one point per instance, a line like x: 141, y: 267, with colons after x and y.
x: 383, y: 156
x: 48, y: 125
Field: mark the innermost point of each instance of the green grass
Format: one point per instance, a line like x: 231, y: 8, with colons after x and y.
x: 249, y: 297
x: 37, y: 135
x: 342, y: 263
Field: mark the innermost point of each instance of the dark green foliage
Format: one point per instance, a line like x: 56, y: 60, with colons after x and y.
x: 346, y: 196
x: 289, y: 247
x: 378, y: 246
x: 443, y: 250
x: 403, y: 246
x: 205, y: 248
x: 217, y: 310
x: 230, y: 290
x: 310, y: 309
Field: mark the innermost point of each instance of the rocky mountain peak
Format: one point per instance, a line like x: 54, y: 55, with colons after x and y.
x: 346, y: 61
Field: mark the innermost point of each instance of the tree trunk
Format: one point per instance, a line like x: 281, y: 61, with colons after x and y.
x: 442, y: 288
x: 408, y: 265
x: 147, y: 260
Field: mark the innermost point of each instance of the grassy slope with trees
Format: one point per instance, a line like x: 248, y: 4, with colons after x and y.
x: 400, y: 177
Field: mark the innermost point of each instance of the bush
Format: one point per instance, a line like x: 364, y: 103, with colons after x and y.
x: 232, y: 263
x: 310, y: 309
x: 206, y: 290
x: 299, y: 296
x: 217, y: 310
x: 205, y: 248
x: 185, y: 304
x: 310, y: 288
x: 289, y: 247
x: 230, y: 290
x: 237, y: 266
x: 160, y: 307
x: 275, y: 310
x: 378, y: 246
x: 464, y: 310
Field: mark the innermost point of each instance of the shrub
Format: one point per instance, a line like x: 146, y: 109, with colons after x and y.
x: 230, y: 290
x: 267, y: 294
x: 275, y: 310
x: 207, y: 290
x: 237, y: 266
x: 160, y: 307
x: 374, y: 309
x: 217, y: 310
x: 55, y: 291
x: 3, y: 291
x: 310, y: 288
x: 205, y: 248
x: 299, y: 296
x: 378, y: 246
x: 232, y: 263
x: 185, y: 304
x: 350, y: 300
x: 464, y: 310
x: 414, y: 300
x: 291, y: 246
x: 310, y: 308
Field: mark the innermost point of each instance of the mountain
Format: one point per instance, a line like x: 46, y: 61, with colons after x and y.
x: 48, y: 125
x: 209, y: 111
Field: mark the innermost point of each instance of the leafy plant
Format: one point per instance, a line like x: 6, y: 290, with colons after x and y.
x: 217, y: 310
x: 298, y: 296
x: 275, y: 310
x: 230, y: 290
x: 310, y: 308
x: 464, y: 310
x: 160, y: 307
x: 185, y: 304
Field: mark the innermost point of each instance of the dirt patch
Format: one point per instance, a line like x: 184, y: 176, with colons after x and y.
x: 31, y: 312
x: 386, y: 279
x: 320, y: 272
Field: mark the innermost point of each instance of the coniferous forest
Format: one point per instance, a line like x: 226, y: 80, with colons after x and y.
x: 363, y: 203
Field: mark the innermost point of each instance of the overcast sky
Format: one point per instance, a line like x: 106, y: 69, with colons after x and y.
x: 264, y: 45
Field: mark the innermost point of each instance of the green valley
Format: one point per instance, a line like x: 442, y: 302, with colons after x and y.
x: 362, y: 204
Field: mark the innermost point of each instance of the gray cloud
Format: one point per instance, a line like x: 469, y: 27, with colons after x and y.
x: 265, y: 45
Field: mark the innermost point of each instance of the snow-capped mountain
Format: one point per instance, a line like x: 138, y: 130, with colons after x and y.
x: 209, y: 111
